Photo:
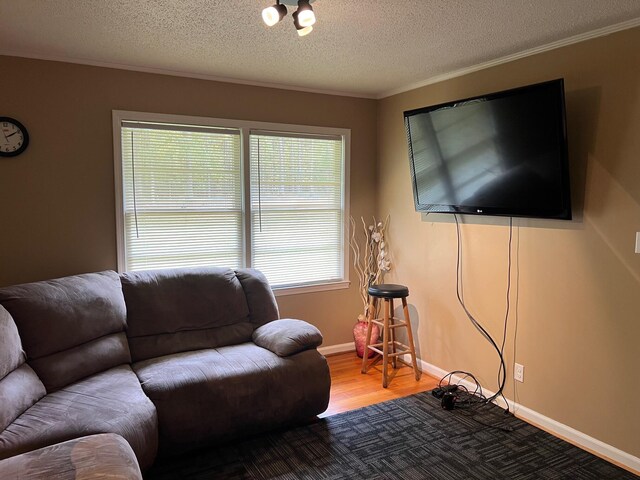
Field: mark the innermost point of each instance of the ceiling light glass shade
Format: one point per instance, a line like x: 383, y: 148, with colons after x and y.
x: 305, y: 31
x: 306, y: 17
x: 275, y: 13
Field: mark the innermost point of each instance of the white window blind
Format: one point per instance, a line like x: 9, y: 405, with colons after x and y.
x: 182, y: 196
x: 297, y: 207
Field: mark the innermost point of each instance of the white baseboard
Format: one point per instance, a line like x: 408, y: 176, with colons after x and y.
x: 341, y: 348
x: 558, y: 429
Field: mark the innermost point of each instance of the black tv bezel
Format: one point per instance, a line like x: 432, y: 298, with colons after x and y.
x: 564, y: 213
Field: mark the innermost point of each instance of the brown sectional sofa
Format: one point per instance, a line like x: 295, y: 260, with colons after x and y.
x: 168, y: 359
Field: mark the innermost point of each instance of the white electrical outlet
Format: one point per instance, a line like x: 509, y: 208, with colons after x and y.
x: 518, y: 372
x: 637, y: 242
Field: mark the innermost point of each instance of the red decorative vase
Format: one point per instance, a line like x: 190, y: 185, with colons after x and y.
x: 360, y: 334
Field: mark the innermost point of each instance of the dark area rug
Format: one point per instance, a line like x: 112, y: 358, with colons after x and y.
x: 409, y: 438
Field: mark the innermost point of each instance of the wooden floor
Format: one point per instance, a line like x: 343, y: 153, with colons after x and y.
x: 351, y: 389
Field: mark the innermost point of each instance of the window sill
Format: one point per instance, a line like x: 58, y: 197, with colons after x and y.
x: 321, y: 287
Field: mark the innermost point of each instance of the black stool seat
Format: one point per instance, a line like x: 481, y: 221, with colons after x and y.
x: 388, y: 290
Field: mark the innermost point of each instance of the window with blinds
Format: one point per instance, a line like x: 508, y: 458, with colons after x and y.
x: 182, y: 202
x: 297, y: 207
x: 251, y: 194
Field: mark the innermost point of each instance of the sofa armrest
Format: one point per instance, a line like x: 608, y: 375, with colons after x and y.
x: 287, y: 336
x: 105, y: 455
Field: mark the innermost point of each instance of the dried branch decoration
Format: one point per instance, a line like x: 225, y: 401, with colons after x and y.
x: 372, y: 262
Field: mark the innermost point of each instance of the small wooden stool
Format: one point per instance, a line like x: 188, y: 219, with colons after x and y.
x: 389, y: 323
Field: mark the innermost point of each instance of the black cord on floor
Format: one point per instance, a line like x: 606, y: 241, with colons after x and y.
x: 468, y: 399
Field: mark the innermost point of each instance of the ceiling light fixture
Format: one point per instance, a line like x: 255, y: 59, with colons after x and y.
x: 302, y: 30
x: 303, y: 17
x: 273, y: 14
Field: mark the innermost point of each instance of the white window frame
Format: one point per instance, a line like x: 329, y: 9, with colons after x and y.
x: 245, y: 128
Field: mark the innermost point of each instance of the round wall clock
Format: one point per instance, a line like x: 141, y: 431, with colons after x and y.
x: 14, y: 138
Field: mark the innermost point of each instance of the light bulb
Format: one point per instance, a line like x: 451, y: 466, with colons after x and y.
x: 306, y: 18
x: 273, y: 14
x: 270, y: 16
x: 305, y: 31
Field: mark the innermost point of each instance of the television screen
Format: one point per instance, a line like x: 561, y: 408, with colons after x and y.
x: 503, y: 153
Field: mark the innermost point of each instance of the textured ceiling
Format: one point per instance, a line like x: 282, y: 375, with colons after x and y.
x: 364, y: 48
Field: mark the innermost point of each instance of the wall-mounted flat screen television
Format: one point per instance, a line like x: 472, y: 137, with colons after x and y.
x: 504, y: 153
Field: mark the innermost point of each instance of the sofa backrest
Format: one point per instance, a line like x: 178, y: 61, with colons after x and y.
x: 177, y: 310
x: 70, y: 327
x: 20, y: 387
x: 260, y: 299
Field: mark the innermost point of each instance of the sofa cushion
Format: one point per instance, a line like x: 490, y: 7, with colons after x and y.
x: 217, y: 394
x: 60, y: 320
x: 260, y: 299
x: 63, y: 368
x: 108, y: 402
x: 99, y: 456
x: 18, y: 391
x: 287, y: 336
x: 20, y: 387
x: 11, y: 353
x: 176, y: 310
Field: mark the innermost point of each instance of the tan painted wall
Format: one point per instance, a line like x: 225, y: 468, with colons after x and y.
x: 576, y: 296
x: 57, y: 199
